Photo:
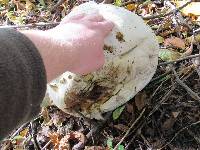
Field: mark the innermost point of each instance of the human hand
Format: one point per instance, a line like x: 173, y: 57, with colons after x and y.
x: 75, y: 45
x: 85, y: 34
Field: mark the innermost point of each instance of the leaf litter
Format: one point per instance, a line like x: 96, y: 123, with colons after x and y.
x: 164, y: 115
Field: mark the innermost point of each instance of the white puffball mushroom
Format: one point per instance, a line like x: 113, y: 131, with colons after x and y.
x: 131, y: 58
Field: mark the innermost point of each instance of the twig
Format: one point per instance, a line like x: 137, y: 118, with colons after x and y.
x: 30, y: 25
x: 19, y: 129
x: 169, y: 13
x: 128, y: 131
x: 140, y: 126
x: 189, y: 91
x: 197, y: 139
x: 178, y: 60
x: 33, y: 135
x: 57, y: 5
x: 164, y: 99
x: 45, y: 146
x: 195, y: 123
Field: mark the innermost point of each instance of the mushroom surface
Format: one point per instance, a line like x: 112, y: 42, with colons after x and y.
x: 131, y: 58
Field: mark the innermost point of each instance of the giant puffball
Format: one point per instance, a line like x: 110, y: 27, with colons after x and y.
x: 131, y: 58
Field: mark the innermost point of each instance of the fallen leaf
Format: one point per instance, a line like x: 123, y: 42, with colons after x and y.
x: 168, y: 123
x: 24, y: 132
x: 192, y: 8
x: 160, y: 39
x: 29, y: 5
x: 94, y: 148
x: 77, y: 136
x: 117, y: 2
x: 55, y: 139
x: 196, y: 39
x: 188, y: 51
x: 117, y: 112
x: 131, y: 7
x: 140, y: 99
x: 169, y: 55
x: 121, y: 147
x: 174, y: 41
x: 64, y: 144
x: 4, y: 2
x: 129, y: 108
x: 175, y: 114
x: 121, y: 127
x: 45, y: 115
x: 109, y: 143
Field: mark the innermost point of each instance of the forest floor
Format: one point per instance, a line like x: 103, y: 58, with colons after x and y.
x: 164, y: 115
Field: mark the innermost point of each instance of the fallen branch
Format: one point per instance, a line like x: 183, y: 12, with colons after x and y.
x: 169, y: 13
x: 128, y: 131
x: 189, y: 126
x: 18, y: 130
x: 189, y: 91
x: 164, y: 99
x: 178, y: 60
x: 34, y: 135
x: 60, y: 2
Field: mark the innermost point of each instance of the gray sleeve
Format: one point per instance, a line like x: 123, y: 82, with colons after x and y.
x: 22, y: 80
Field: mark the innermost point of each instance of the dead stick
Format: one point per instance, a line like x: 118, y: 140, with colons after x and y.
x: 169, y: 13
x: 189, y: 126
x: 57, y: 5
x: 178, y: 60
x: 128, y: 131
x: 189, y: 91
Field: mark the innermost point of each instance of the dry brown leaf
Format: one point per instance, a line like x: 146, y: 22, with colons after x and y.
x: 77, y: 136
x: 129, y: 108
x: 121, y: 127
x: 19, y: 5
x: 189, y: 50
x: 24, y: 132
x: 55, y: 139
x: 168, y: 123
x: 176, y: 42
x: 45, y: 115
x: 94, y: 148
x: 131, y: 7
x: 175, y: 114
x: 29, y: 5
x: 140, y: 99
x: 167, y: 32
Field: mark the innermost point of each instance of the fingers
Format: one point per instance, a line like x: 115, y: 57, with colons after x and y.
x: 104, y: 26
x: 76, y: 17
x: 94, y: 17
x: 73, y: 18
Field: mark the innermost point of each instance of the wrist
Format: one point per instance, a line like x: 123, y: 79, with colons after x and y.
x: 58, y: 56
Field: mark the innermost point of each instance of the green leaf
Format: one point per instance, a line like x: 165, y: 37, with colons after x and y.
x: 121, y: 147
x: 118, y: 2
x: 117, y: 112
x: 109, y: 143
x: 42, y: 3
x: 169, y: 55
x: 18, y: 137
